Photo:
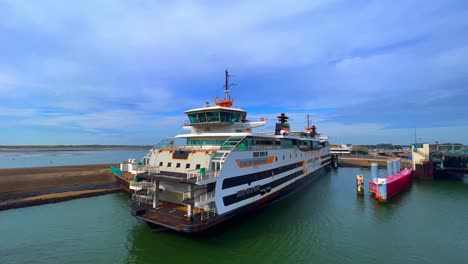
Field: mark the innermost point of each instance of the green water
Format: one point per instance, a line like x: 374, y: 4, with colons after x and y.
x: 324, y: 223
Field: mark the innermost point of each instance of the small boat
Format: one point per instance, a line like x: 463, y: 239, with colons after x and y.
x: 128, y: 171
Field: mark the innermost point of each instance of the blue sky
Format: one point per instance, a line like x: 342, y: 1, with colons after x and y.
x: 123, y: 72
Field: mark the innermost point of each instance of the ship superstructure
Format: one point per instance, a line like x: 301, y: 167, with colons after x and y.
x: 340, y: 150
x: 222, y: 168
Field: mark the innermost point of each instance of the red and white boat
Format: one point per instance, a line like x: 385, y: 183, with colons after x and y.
x: 386, y: 187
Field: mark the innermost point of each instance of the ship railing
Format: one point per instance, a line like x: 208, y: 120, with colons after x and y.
x: 139, y: 198
x: 186, y: 195
x: 361, y: 156
x: 153, y: 170
x: 192, y: 174
x: 137, y: 186
x: 263, y: 132
x: 201, y: 175
x: 191, y: 147
x: 116, y: 171
x: 204, y: 197
x: 137, y: 169
x: 206, y: 215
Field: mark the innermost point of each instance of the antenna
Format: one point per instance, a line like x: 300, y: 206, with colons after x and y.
x: 308, y: 121
x: 227, y: 102
x: 415, y: 142
x: 227, y: 85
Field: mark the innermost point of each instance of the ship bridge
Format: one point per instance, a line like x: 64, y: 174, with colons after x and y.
x: 215, y: 114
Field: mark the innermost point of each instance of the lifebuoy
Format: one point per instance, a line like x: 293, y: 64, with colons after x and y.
x: 262, y: 119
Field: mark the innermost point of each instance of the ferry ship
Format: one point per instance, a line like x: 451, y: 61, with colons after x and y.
x: 343, y: 149
x: 221, y: 168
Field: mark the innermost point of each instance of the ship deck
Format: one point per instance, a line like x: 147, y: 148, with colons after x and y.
x: 397, y: 176
x: 172, y: 216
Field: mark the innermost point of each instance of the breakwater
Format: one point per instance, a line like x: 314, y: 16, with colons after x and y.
x: 20, y: 187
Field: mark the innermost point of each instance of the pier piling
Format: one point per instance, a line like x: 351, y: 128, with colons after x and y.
x: 360, y: 184
x: 334, y: 161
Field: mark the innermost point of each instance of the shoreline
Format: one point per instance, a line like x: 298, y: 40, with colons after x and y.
x: 55, y: 198
x: 23, y: 187
x: 6, y: 149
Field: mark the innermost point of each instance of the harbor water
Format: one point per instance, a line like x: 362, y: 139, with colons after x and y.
x: 325, y: 222
x: 39, y: 158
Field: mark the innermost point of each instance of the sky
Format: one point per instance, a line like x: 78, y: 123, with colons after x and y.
x: 123, y: 72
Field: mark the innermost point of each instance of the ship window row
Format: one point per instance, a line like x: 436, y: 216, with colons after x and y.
x: 215, y: 116
x: 259, y: 189
x: 253, y: 177
x: 260, y: 154
x: 248, y: 191
x: 178, y: 165
x: 251, y: 143
x: 204, y: 142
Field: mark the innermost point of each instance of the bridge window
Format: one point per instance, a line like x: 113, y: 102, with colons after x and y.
x: 230, y: 116
x: 213, y: 116
x: 225, y: 116
x: 193, y: 118
x: 236, y: 117
x: 315, y: 145
x: 201, y: 117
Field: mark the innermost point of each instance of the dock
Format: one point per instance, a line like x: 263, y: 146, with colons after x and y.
x: 432, y: 161
x: 365, y: 161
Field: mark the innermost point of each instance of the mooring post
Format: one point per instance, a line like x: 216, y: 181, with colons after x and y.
x: 360, y: 184
x: 334, y: 160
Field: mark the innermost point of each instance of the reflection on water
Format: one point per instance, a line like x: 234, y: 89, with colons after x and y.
x: 326, y: 222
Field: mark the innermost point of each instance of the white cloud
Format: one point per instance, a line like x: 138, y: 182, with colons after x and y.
x: 7, y: 82
x: 99, y: 63
x: 15, y: 112
x: 368, y: 133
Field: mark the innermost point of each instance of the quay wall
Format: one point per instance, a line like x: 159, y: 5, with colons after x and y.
x: 22, y: 187
x: 366, y: 162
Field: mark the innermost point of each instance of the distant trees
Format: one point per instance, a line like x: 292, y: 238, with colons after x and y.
x: 385, y: 146
x: 366, y: 148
